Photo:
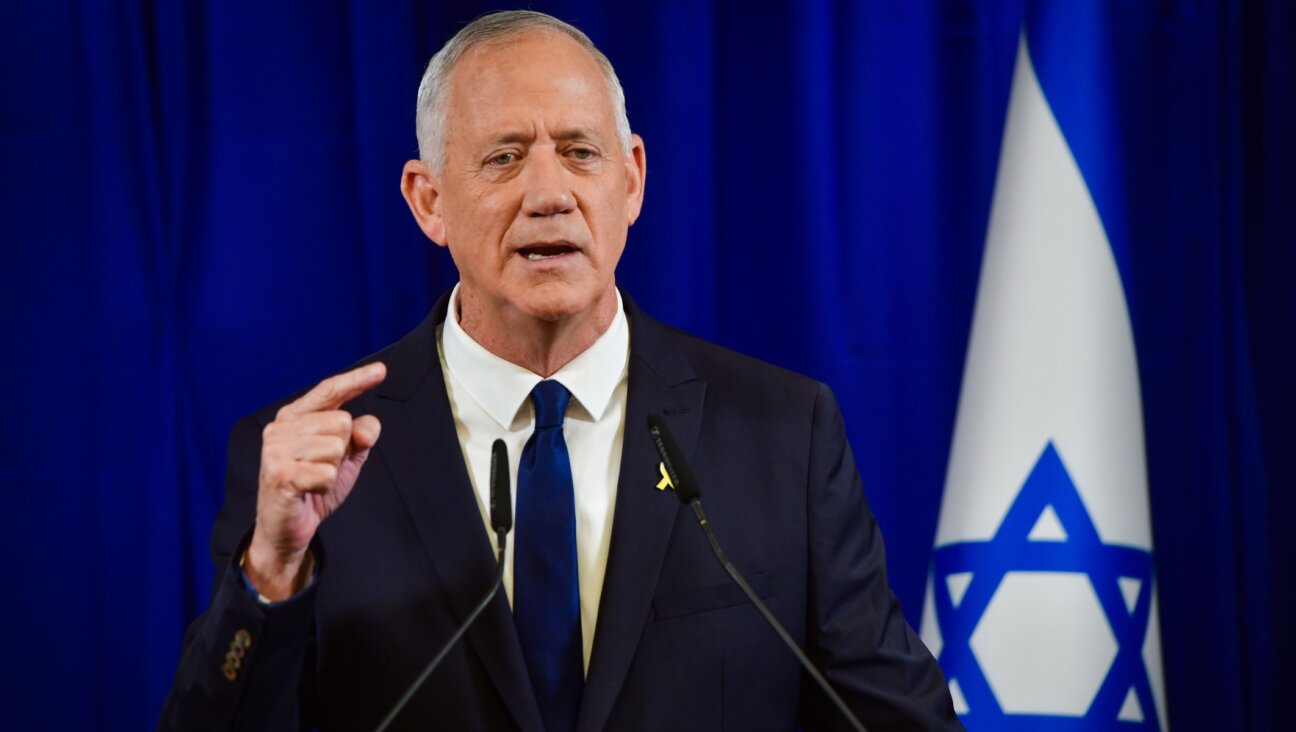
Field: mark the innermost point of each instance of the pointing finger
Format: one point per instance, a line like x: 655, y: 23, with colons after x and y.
x: 337, y: 390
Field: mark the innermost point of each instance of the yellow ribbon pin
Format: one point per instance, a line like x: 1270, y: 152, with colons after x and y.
x: 665, y: 481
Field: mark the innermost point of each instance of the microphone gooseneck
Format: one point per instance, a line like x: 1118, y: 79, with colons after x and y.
x: 690, y: 493
x: 501, y: 514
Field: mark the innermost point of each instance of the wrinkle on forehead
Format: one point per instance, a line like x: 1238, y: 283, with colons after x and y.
x: 511, y: 103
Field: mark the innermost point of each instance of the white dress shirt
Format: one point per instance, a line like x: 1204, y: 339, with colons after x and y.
x: 490, y: 398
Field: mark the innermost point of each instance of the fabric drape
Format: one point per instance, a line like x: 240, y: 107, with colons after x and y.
x: 201, y: 215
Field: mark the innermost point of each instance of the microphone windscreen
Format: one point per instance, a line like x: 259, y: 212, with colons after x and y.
x: 677, y: 468
x: 501, y: 494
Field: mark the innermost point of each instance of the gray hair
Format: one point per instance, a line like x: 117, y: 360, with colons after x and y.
x: 430, y: 119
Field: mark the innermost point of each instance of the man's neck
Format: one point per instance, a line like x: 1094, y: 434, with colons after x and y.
x: 540, y: 346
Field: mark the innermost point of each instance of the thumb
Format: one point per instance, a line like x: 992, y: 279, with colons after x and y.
x: 364, y: 433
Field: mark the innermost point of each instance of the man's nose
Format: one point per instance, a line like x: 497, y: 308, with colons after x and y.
x: 547, y: 186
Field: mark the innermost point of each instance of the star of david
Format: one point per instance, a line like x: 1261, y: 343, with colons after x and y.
x: 1077, y: 550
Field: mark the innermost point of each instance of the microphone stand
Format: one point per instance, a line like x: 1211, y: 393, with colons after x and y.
x: 689, y: 493
x: 436, y: 660
x: 501, y: 515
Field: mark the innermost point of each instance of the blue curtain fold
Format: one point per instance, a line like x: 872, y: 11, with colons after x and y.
x: 202, y: 215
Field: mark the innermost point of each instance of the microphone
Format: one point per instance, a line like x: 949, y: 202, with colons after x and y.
x: 501, y: 515
x: 687, y: 490
x: 501, y: 496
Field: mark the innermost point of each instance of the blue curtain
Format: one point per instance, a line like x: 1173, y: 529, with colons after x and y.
x: 201, y: 215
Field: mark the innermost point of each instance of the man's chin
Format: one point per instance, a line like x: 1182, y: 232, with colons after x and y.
x: 554, y: 310
x: 559, y: 303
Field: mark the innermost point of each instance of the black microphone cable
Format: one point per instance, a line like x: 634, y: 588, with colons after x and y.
x: 501, y: 512
x: 690, y: 494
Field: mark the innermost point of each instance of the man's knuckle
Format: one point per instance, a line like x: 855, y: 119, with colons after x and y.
x: 327, y: 389
x: 303, y: 480
x: 274, y: 473
x: 338, y: 446
x: 335, y: 423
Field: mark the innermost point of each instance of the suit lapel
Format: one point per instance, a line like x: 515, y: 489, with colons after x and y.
x: 421, y: 448
x: 662, y: 382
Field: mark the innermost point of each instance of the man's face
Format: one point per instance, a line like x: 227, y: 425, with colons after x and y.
x: 535, y: 194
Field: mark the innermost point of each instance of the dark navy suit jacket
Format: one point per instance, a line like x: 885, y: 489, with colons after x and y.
x: 677, y: 648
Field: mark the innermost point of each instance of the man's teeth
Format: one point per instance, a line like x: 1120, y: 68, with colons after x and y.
x: 534, y: 256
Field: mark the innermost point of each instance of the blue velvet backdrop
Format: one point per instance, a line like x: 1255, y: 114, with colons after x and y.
x: 201, y: 214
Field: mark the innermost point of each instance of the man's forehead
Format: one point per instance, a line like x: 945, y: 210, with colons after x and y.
x: 501, y: 88
x: 507, y: 57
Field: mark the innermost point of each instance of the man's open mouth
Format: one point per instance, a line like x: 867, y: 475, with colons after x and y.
x: 539, y: 252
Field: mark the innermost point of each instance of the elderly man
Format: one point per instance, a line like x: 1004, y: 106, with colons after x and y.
x: 345, y: 559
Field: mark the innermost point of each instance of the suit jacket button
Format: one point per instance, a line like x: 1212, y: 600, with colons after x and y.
x: 242, y: 638
x: 231, y: 673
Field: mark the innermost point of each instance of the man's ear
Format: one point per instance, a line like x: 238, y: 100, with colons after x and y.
x: 422, y: 191
x: 636, y: 165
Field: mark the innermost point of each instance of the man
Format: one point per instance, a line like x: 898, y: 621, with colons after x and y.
x: 345, y: 560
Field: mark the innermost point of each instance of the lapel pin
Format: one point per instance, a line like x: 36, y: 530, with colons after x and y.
x: 665, y: 481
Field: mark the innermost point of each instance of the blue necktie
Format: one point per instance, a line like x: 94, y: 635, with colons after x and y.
x: 546, y: 592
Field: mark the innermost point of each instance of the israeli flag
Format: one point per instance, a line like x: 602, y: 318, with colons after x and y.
x: 1041, y: 603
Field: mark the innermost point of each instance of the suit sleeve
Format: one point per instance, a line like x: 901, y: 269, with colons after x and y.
x: 856, y: 632
x: 244, y: 665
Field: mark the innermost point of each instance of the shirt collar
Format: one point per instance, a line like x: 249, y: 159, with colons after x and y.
x: 501, y: 388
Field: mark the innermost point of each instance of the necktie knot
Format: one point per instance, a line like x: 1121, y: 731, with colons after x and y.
x: 550, y: 399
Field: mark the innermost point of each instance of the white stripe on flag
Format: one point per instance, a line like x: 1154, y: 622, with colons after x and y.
x: 1051, y: 361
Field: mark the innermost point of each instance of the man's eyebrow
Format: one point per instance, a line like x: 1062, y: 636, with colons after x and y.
x: 508, y: 138
x: 565, y: 135
x: 574, y: 133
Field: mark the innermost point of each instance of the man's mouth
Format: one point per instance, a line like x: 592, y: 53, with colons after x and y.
x: 541, y: 252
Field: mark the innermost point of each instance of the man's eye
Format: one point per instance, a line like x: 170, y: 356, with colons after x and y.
x: 582, y: 153
x: 502, y: 159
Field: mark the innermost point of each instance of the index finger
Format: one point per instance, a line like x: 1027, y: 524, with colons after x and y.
x: 338, y: 389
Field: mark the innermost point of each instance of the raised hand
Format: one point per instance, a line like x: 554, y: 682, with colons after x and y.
x: 311, y: 455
